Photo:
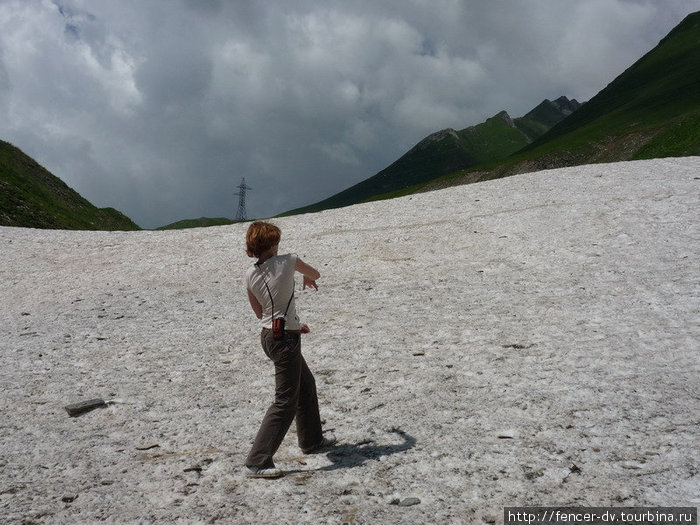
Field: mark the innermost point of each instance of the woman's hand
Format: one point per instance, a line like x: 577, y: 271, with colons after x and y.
x: 305, y: 328
x: 309, y: 283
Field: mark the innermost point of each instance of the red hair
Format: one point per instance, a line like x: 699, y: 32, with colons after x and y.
x: 261, y: 237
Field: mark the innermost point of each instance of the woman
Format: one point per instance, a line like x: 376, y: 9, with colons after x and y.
x: 270, y: 284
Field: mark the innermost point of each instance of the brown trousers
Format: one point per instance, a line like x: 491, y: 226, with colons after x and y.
x: 295, y: 397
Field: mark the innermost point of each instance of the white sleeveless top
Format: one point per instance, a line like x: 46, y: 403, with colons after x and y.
x: 278, y: 273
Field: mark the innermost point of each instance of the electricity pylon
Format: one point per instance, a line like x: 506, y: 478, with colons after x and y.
x: 241, y: 214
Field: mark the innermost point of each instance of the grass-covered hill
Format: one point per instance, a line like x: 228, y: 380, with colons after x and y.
x: 30, y: 196
x: 449, y: 150
x: 202, y: 222
x: 651, y: 110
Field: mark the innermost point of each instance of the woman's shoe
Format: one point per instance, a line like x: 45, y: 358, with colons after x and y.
x: 266, y: 473
x: 325, y: 443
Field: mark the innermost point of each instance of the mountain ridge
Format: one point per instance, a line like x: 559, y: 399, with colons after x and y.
x: 650, y: 110
x: 449, y: 150
x: 32, y: 197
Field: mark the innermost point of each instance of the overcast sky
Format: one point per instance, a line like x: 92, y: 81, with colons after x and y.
x: 159, y: 107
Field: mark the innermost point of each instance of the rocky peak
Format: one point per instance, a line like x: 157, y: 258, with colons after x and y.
x: 438, y: 136
x: 566, y: 106
x: 505, y: 117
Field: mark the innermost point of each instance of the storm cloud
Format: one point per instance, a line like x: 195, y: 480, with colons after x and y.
x: 160, y: 107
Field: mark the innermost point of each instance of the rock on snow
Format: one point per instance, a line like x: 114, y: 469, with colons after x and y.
x: 526, y: 341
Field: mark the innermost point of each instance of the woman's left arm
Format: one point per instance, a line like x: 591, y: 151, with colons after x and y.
x: 255, y: 305
x: 309, y: 272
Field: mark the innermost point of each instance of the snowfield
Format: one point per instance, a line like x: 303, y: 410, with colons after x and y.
x: 533, y: 340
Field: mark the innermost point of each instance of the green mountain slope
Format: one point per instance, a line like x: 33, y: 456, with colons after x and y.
x: 651, y: 110
x: 202, y: 222
x: 449, y: 150
x: 32, y: 197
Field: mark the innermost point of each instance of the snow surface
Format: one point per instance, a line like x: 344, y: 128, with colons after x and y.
x: 527, y: 341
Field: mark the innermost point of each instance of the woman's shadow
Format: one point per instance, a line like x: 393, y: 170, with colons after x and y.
x: 355, y: 455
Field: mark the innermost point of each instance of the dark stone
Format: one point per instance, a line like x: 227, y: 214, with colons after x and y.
x: 77, y: 409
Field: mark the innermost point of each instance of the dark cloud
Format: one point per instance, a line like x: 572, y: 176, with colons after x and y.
x: 159, y: 108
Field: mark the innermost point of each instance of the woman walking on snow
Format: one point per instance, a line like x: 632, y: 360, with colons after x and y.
x: 270, y: 284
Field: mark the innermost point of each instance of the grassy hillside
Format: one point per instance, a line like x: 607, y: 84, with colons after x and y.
x: 651, y: 110
x: 662, y: 85
x: 32, y: 197
x: 202, y: 222
x: 449, y: 150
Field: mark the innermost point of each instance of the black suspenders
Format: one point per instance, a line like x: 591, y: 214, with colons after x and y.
x: 273, y: 301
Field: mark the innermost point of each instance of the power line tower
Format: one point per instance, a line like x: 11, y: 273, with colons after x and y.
x: 241, y: 214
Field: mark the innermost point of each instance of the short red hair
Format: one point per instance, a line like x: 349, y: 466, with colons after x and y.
x: 261, y: 237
